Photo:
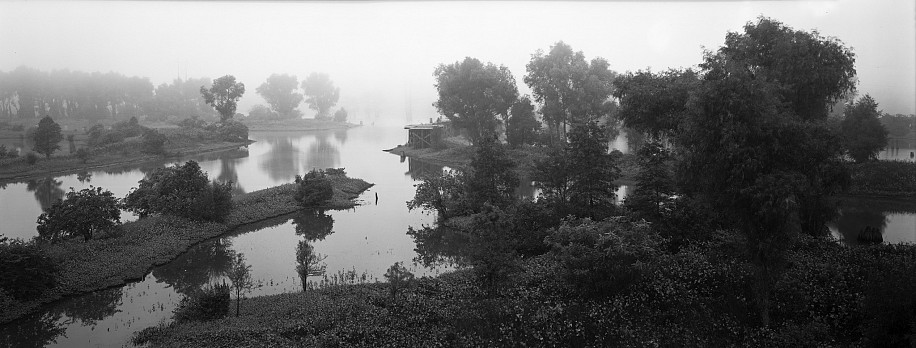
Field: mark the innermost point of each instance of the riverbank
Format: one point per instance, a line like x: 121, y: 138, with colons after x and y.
x: 883, y: 180
x: 293, y: 125
x: 18, y: 170
x: 143, y: 244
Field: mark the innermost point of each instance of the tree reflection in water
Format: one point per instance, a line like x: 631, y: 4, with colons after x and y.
x: 35, y: 330
x: 92, y: 307
x: 47, y: 191
x: 417, y: 169
x: 341, y: 136
x: 227, y: 172
x: 313, y: 224
x: 84, y: 177
x: 197, y: 267
x: 440, y: 245
x: 282, y: 161
x: 322, y: 153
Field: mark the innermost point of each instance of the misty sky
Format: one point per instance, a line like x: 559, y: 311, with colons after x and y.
x: 382, y: 54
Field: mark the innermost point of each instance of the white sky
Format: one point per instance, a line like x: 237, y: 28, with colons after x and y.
x: 378, y: 53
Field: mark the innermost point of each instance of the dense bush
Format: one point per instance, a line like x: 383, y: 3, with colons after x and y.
x: 85, y: 213
x: 180, y: 190
x: 27, y: 271
x: 83, y: 154
x: 313, y: 188
x: 192, y: 122
x: 31, y: 158
x: 4, y: 153
x: 211, y: 302
x: 152, y: 142
x: 229, y: 130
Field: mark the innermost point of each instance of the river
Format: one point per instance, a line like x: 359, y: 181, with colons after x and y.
x: 363, y: 241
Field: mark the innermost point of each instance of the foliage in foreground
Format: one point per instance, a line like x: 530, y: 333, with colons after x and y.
x: 27, y: 271
x: 211, y: 302
x: 85, y: 213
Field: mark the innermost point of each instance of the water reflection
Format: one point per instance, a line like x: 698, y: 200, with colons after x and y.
x: 322, y: 153
x: 35, y: 330
x: 227, y: 172
x: 417, y: 169
x: 341, y: 136
x: 895, y: 219
x: 47, y: 191
x: 313, y: 224
x: 439, y: 245
x: 197, y: 267
x: 84, y: 177
x: 281, y: 163
x: 92, y: 307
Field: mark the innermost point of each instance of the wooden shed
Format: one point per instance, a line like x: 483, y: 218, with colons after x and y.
x: 424, y: 135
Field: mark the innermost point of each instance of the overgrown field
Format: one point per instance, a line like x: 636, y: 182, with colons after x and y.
x: 883, y: 178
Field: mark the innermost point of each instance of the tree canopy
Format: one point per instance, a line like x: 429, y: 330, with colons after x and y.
x: 863, y: 134
x: 47, y: 137
x: 522, y: 126
x: 320, y: 94
x: 570, y: 89
x: 223, y: 95
x: 282, y: 94
x: 84, y: 213
x: 472, y: 94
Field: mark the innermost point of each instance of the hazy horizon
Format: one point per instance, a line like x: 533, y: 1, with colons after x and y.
x: 382, y: 54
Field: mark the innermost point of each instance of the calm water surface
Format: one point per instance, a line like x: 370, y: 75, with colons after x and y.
x: 365, y: 240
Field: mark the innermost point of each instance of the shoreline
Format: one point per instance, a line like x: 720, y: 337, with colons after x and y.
x: 147, y: 243
x: 182, y: 152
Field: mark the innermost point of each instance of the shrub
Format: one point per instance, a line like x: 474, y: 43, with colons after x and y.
x: 340, y: 115
x: 31, y: 158
x: 211, y: 302
x: 4, y: 153
x: 180, y: 191
x: 84, y: 213
x: 27, y: 271
x: 192, y: 122
x: 229, y: 130
x: 83, y: 154
x: 152, y: 142
x: 398, y: 277
x: 313, y: 189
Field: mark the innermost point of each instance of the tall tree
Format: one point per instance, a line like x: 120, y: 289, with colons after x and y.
x: 863, y: 134
x: 570, y: 89
x: 472, y: 94
x: 655, y: 187
x: 320, y: 93
x: 755, y: 141
x: 522, y: 126
x: 282, y: 94
x: 654, y: 103
x: 223, y: 95
x: 47, y: 137
x: 240, y: 274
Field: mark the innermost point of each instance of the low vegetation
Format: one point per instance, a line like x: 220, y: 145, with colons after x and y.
x: 883, y: 178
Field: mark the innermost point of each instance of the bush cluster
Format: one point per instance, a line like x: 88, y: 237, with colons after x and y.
x: 4, y: 153
x: 313, y: 189
x: 211, y: 302
x: 229, y: 130
x: 181, y: 190
x: 27, y: 271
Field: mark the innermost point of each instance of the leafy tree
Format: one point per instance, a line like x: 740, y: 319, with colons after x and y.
x: 240, y: 275
x: 180, y: 191
x: 320, y: 93
x: 579, y: 178
x: 654, y: 103
x: 863, y: 134
x: 308, y: 263
x: 152, y: 142
x: 398, y: 277
x: 84, y: 213
x: 262, y: 112
x: 83, y: 154
x: 570, y: 89
x: 756, y: 143
x: 223, y: 95
x: 491, y: 177
x: 314, y: 189
x: 208, y: 303
x: 442, y: 193
x: 282, y: 94
x: 47, y: 137
x: 471, y: 94
x: 340, y: 115
x: 654, y: 188
x: 522, y: 127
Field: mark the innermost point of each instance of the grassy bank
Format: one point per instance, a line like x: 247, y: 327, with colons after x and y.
x: 891, y: 179
x: 18, y: 169
x: 145, y: 243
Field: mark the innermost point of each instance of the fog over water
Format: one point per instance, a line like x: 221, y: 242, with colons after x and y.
x: 382, y: 54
